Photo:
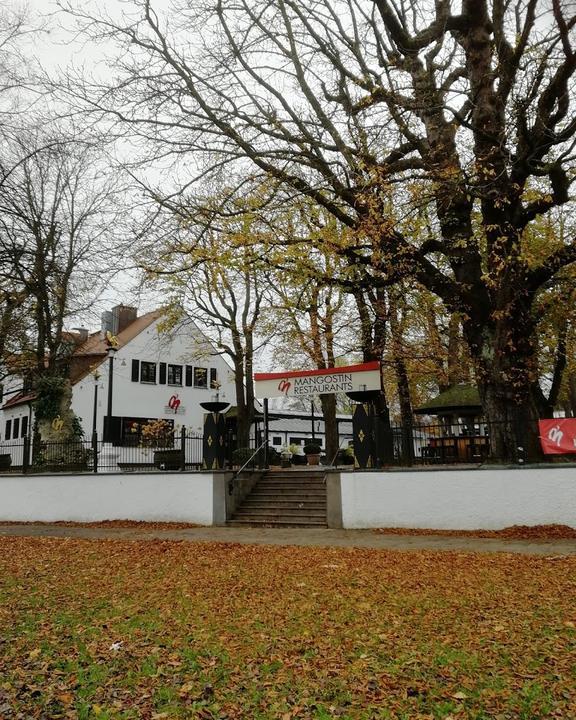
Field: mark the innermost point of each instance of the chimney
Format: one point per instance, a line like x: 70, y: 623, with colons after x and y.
x: 106, y: 319
x: 82, y: 334
x: 122, y: 316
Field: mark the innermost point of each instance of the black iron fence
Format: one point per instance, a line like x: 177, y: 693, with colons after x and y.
x: 386, y: 445
x: 445, y: 443
x: 183, y: 452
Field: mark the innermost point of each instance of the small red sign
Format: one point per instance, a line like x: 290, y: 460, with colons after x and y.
x: 558, y: 436
x: 174, y: 403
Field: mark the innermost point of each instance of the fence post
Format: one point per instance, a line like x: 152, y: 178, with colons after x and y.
x: 183, y: 448
x: 26, y: 454
x: 95, y: 450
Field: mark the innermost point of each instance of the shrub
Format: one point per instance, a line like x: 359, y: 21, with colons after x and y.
x: 312, y: 449
x: 157, y: 434
x: 345, y: 456
x: 273, y: 456
x: 242, y: 455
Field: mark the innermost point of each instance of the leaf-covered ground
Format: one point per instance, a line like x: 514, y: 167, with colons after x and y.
x: 109, y: 629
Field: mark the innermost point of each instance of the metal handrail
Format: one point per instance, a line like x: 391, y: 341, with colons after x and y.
x: 337, y: 451
x: 231, y: 481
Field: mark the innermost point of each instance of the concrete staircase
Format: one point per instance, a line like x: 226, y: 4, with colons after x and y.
x: 285, y: 498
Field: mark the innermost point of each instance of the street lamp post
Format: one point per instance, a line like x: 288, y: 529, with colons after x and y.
x: 111, y: 353
x: 96, y: 376
x: 109, y: 455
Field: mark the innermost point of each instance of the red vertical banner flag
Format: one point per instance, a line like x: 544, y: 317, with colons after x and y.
x: 558, y: 436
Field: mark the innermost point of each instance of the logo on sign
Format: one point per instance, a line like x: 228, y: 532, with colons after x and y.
x: 57, y: 424
x: 284, y: 386
x: 555, y: 435
x: 174, y: 403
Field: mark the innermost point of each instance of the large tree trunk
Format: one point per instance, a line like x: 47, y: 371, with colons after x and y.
x: 330, y: 426
x: 572, y: 393
x: 243, y: 420
x: 512, y: 424
x: 505, y: 360
x: 402, y: 381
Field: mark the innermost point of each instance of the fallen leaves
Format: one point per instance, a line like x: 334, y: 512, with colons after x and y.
x: 164, y: 630
x: 514, y: 532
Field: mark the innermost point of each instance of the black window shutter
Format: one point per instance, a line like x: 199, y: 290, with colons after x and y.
x: 135, y: 370
x: 189, y: 380
x: 162, y: 379
x: 213, y: 377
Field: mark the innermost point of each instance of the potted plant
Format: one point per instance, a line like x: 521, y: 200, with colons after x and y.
x: 345, y: 456
x: 312, y: 452
x: 298, y: 457
x: 274, y: 459
x: 285, y: 456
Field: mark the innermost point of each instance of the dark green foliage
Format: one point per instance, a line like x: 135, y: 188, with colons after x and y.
x: 242, y: 455
x: 50, y: 391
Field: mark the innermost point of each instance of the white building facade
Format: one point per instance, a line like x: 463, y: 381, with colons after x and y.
x: 157, y: 374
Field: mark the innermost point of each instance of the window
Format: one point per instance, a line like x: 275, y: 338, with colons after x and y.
x: 8, y: 430
x: 174, y: 374
x: 276, y: 441
x: 24, y: 427
x: 147, y: 372
x: 213, y: 378
x: 16, y: 428
x: 297, y: 441
x: 200, y: 377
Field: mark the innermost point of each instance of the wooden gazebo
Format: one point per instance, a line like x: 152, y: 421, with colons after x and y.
x: 462, y: 434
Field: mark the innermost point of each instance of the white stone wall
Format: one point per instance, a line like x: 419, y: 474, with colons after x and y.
x: 469, y: 499
x: 154, y: 497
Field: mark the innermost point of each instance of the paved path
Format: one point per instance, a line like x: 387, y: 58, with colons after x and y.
x: 300, y: 536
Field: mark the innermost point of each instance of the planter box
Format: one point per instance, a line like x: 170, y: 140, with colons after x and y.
x: 5, y: 461
x: 168, y: 459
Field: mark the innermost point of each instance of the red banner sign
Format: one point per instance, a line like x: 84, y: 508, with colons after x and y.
x: 558, y: 436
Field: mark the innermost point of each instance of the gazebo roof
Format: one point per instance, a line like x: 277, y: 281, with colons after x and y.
x: 462, y: 398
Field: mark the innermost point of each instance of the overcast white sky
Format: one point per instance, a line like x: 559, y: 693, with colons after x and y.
x: 55, y: 49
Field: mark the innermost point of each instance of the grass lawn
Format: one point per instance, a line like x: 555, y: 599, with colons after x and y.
x: 115, y: 629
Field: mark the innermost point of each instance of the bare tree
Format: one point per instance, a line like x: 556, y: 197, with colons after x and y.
x: 466, y: 110
x: 58, y: 220
x: 308, y: 317
x: 214, y: 278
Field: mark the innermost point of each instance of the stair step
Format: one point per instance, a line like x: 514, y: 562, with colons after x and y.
x: 295, y: 483
x: 288, y: 512
x: 292, y: 498
x: 300, y: 476
x: 276, y: 523
x: 289, y: 493
x: 291, y: 483
x: 293, y: 504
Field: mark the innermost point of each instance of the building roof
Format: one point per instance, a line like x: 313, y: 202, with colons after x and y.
x: 458, y: 398
x: 19, y: 398
x: 92, y: 352
x: 96, y: 343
